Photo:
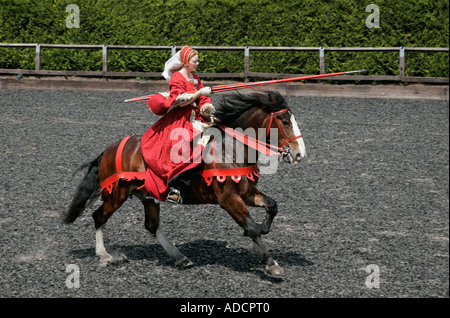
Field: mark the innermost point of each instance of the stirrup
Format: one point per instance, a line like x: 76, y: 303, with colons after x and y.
x: 174, y: 196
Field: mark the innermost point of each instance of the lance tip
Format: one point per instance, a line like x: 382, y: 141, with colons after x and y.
x: 359, y: 71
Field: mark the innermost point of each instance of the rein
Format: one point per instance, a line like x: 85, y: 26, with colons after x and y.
x: 265, y: 148
x: 254, y: 143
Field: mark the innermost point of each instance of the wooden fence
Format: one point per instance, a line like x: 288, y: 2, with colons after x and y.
x: 105, y: 73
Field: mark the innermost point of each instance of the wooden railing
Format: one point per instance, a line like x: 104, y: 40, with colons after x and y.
x: 105, y: 73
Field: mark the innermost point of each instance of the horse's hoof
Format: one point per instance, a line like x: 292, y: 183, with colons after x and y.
x: 184, y: 263
x: 275, y: 270
x: 105, y: 259
x: 264, y: 231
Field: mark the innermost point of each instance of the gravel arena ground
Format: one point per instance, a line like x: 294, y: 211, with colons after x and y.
x: 371, y: 201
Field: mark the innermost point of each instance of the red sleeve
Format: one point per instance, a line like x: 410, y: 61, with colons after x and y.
x: 159, y: 104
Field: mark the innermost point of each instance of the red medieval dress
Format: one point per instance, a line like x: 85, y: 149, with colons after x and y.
x: 173, y: 144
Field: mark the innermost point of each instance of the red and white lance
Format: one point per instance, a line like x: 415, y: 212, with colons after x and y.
x: 224, y: 88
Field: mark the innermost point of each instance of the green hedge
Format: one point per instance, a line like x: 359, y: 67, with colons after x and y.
x: 341, y: 23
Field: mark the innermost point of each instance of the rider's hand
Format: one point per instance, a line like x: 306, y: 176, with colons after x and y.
x: 206, y: 91
x: 207, y: 110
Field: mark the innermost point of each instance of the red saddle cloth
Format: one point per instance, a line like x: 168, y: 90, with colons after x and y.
x: 192, y: 160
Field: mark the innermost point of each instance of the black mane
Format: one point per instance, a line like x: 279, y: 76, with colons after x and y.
x: 233, y: 106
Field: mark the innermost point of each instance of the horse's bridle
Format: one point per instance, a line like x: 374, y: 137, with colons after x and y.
x: 285, y: 147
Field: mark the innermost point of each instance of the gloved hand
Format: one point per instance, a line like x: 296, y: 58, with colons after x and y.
x: 206, y: 91
x: 206, y: 111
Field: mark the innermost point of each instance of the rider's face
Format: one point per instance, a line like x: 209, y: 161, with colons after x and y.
x: 193, y: 63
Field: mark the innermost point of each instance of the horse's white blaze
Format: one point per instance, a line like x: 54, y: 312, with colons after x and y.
x: 297, y: 133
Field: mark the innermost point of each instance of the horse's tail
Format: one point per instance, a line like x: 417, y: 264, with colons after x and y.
x: 87, y: 191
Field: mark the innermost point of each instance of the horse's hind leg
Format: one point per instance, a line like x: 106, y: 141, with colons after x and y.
x: 100, y: 249
x: 110, y: 204
x: 153, y: 226
x: 262, y: 200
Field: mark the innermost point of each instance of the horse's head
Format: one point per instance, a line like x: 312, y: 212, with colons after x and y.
x: 265, y: 110
x: 290, y: 138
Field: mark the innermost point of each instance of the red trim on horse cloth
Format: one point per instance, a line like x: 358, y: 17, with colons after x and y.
x: 113, y: 180
x: 235, y: 174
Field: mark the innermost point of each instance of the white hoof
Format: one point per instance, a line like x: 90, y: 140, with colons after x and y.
x: 105, y: 259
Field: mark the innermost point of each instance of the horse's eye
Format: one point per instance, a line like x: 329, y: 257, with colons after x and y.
x: 286, y: 123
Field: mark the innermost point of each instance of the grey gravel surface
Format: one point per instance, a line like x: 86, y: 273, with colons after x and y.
x: 374, y: 190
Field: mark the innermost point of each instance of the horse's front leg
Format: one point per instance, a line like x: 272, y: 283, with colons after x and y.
x: 236, y: 207
x: 261, y: 200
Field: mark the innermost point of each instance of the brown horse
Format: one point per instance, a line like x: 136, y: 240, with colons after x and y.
x: 227, y: 178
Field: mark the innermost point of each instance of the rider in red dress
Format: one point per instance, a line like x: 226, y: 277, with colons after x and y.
x: 174, y: 143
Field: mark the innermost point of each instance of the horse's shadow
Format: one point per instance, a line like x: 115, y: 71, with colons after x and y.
x: 204, y: 253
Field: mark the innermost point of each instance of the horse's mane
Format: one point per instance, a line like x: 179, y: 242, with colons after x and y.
x: 232, y: 107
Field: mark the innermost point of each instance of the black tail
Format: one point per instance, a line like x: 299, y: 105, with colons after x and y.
x: 87, y: 191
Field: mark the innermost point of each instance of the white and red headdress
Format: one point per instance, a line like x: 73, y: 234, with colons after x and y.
x: 177, y: 61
